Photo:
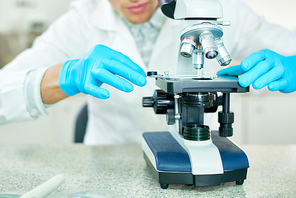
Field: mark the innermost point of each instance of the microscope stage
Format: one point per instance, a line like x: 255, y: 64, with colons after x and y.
x: 182, y: 84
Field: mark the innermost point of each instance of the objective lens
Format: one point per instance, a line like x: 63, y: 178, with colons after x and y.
x: 223, y: 57
x: 208, y: 43
x: 188, y: 46
x: 198, y: 58
x: 211, y: 54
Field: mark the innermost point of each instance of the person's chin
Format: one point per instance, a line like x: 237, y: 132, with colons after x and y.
x: 139, y: 19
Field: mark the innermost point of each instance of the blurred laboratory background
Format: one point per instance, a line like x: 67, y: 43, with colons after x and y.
x: 261, y: 117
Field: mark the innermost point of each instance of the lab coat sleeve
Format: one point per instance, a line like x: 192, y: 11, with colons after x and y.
x: 21, y: 78
x: 250, y: 32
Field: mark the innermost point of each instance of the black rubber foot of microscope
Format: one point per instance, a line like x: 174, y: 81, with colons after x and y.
x: 240, y: 182
x: 164, y: 186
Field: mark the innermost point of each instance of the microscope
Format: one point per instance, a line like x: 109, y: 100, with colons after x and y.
x: 193, y: 154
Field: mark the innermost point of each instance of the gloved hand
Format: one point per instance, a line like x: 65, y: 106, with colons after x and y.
x: 100, y: 65
x: 266, y: 67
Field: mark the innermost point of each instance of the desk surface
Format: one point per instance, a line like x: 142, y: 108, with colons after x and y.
x: 122, y: 170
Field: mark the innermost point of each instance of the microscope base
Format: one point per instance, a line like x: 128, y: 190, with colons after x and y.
x: 170, y: 164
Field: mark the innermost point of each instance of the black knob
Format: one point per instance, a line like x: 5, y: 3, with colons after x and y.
x: 216, y: 103
x: 225, y: 131
x: 151, y: 73
x: 160, y: 101
x: 226, y: 120
x: 170, y: 116
x: 147, y: 102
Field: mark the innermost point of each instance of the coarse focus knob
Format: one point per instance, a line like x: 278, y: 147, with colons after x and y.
x: 160, y: 101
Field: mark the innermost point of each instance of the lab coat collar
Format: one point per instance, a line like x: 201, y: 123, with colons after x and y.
x: 104, y: 16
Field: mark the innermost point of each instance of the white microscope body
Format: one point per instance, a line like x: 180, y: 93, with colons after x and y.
x: 195, y: 154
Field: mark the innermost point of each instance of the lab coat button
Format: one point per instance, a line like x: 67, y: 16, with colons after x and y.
x: 34, y: 112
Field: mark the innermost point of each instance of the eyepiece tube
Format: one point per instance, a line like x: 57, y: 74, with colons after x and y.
x: 207, y: 41
x: 223, y: 57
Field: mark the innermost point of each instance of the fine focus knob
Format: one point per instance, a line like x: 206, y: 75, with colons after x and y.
x: 147, y: 102
x: 225, y: 131
x: 226, y: 120
x: 170, y: 116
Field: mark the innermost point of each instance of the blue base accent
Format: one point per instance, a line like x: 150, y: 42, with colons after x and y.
x: 233, y: 158
x: 170, y: 156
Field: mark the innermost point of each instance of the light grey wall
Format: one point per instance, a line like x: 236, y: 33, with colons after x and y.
x: 281, y: 12
x: 15, y: 14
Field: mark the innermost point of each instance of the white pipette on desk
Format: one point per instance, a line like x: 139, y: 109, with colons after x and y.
x: 46, y: 188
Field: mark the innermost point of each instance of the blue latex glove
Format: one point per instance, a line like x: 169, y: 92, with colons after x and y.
x: 100, y: 65
x: 266, y: 68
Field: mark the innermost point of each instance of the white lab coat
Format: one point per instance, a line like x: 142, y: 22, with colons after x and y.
x: 121, y: 118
